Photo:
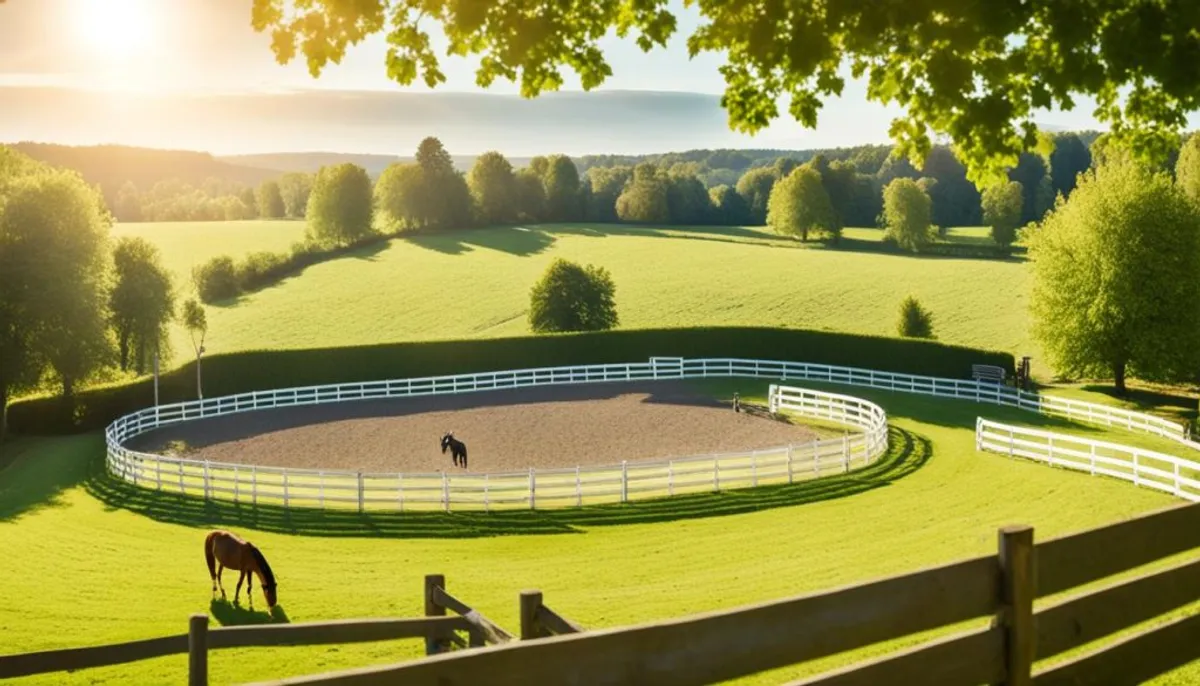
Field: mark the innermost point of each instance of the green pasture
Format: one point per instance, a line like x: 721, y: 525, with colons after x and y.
x: 185, y: 245
x: 472, y: 284
x: 91, y: 560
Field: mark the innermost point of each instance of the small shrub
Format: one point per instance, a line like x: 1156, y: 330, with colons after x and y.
x: 915, y: 321
x: 262, y: 269
x: 570, y: 297
x: 216, y: 279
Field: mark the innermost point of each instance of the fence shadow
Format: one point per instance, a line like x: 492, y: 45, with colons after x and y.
x: 907, y: 452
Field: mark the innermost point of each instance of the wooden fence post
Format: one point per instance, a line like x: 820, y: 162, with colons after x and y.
x: 445, y: 492
x: 624, y: 481
x: 198, y: 650
x: 433, y: 644
x: 360, y: 492
x: 529, y: 603
x: 1018, y: 587
x: 532, y: 489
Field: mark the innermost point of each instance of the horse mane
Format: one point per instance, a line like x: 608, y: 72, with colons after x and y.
x: 263, y: 566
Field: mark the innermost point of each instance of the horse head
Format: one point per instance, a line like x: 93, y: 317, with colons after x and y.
x: 269, y: 593
x: 446, y: 441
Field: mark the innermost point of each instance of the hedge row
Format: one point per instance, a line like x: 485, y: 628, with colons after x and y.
x: 262, y: 370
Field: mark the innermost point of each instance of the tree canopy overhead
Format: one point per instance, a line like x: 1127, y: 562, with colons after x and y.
x: 973, y: 71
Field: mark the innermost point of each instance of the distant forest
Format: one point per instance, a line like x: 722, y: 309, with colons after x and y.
x: 164, y: 185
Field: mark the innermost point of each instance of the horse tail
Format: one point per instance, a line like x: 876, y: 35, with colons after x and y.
x: 209, y: 555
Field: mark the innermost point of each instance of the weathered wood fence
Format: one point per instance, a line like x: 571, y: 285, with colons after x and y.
x: 723, y: 645
x: 717, y: 646
x: 440, y: 631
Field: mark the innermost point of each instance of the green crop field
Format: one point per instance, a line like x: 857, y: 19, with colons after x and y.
x: 476, y: 284
x: 96, y: 561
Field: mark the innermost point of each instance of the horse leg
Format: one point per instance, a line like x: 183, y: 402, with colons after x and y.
x: 250, y: 589
x: 220, y: 570
x: 237, y: 593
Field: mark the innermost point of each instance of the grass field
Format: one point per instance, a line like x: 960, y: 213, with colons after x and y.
x: 476, y: 284
x: 98, y: 561
x: 189, y: 244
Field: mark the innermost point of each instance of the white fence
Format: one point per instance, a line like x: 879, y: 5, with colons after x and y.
x: 535, y: 487
x: 577, y: 486
x: 1168, y: 473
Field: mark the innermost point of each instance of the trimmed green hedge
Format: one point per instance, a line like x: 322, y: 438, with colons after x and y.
x: 262, y: 370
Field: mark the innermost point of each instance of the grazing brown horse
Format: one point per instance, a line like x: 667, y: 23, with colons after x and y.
x: 237, y: 553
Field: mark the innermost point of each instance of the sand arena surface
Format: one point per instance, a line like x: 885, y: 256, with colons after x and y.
x: 552, y: 426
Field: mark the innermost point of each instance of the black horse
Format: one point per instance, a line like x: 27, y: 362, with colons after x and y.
x: 458, y: 449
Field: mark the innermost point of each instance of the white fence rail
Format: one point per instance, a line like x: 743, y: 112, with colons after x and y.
x: 1160, y: 471
x: 578, y: 486
x: 536, y: 487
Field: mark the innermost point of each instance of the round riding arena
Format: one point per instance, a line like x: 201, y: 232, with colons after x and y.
x: 539, y: 427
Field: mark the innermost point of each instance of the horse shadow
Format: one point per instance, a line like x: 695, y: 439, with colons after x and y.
x: 228, y: 614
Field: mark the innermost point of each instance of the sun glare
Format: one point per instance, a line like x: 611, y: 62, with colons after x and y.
x: 107, y: 29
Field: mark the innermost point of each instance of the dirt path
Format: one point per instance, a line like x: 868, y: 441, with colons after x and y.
x: 504, y: 430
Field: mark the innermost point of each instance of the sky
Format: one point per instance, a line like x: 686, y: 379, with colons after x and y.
x: 194, y: 74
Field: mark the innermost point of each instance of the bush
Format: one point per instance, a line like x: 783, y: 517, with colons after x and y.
x: 569, y: 297
x: 261, y: 370
x: 915, y: 321
x: 216, y: 279
x: 261, y: 269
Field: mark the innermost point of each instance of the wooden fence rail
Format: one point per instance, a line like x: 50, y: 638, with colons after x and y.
x: 539, y: 621
x: 717, y: 646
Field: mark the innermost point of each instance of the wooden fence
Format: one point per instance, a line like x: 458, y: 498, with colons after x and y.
x: 439, y: 630
x: 717, y: 646
x: 532, y: 488
x: 1146, y: 468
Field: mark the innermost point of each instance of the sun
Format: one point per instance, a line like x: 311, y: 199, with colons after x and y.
x: 108, y: 29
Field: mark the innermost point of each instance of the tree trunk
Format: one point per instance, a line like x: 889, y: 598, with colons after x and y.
x: 199, y: 389
x: 1119, y: 378
x: 124, y: 344
x: 140, y: 356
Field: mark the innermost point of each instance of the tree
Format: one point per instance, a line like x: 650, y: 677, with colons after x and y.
x: 20, y: 361
x: 729, y: 207
x: 1002, y: 211
x: 606, y: 183
x: 531, y: 196
x: 494, y: 188
x: 216, y: 279
x: 142, y: 301
x: 687, y: 200
x: 570, y: 297
x: 195, y: 321
x: 1187, y: 168
x: 1115, y: 289
x: 340, y: 206
x: 906, y: 213
x: 644, y: 200
x: 294, y: 188
x: 401, y: 198
x: 1033, y: 173
x: 974, y: 71
x: 755, y: 187
x: 128, y: 204
x: 57, y: 229
x: 447, y: 199
x: 954, y: 198
x: 269, y: 200
x: 561, y: 181
x: 915, y: 320
x: 799, y: 204
x: 1069, y: 159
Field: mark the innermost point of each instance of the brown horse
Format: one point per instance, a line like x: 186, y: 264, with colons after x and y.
x: 237, y: 553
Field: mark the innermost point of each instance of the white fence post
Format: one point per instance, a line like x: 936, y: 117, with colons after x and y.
x: 286, y: 495
x: 816, y: 446
x: 206, y: 479
x: 254, y: 485
x: 754, y: 468
x: 179, y: 466
x: 158, y: 472
x: 487, y: 505
x: 1178, y: 486
x: 716, y: 475
x: 400, y: 492
x: 789, y: 462
x: 445, y: 492
x: 321, y: 488
x: 532, y: 489
x: 237, y: 485
x: 578, y: 489
x: 1136, y: 478
x: 845, y: 453
x: 670, y: 478
x: 624, y: 481
x: 978, y: 433
x: 361, y: 504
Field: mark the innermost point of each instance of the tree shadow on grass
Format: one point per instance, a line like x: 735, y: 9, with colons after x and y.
x: 34, y: 472
x: 907, y: 452
x: 228, y: 614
